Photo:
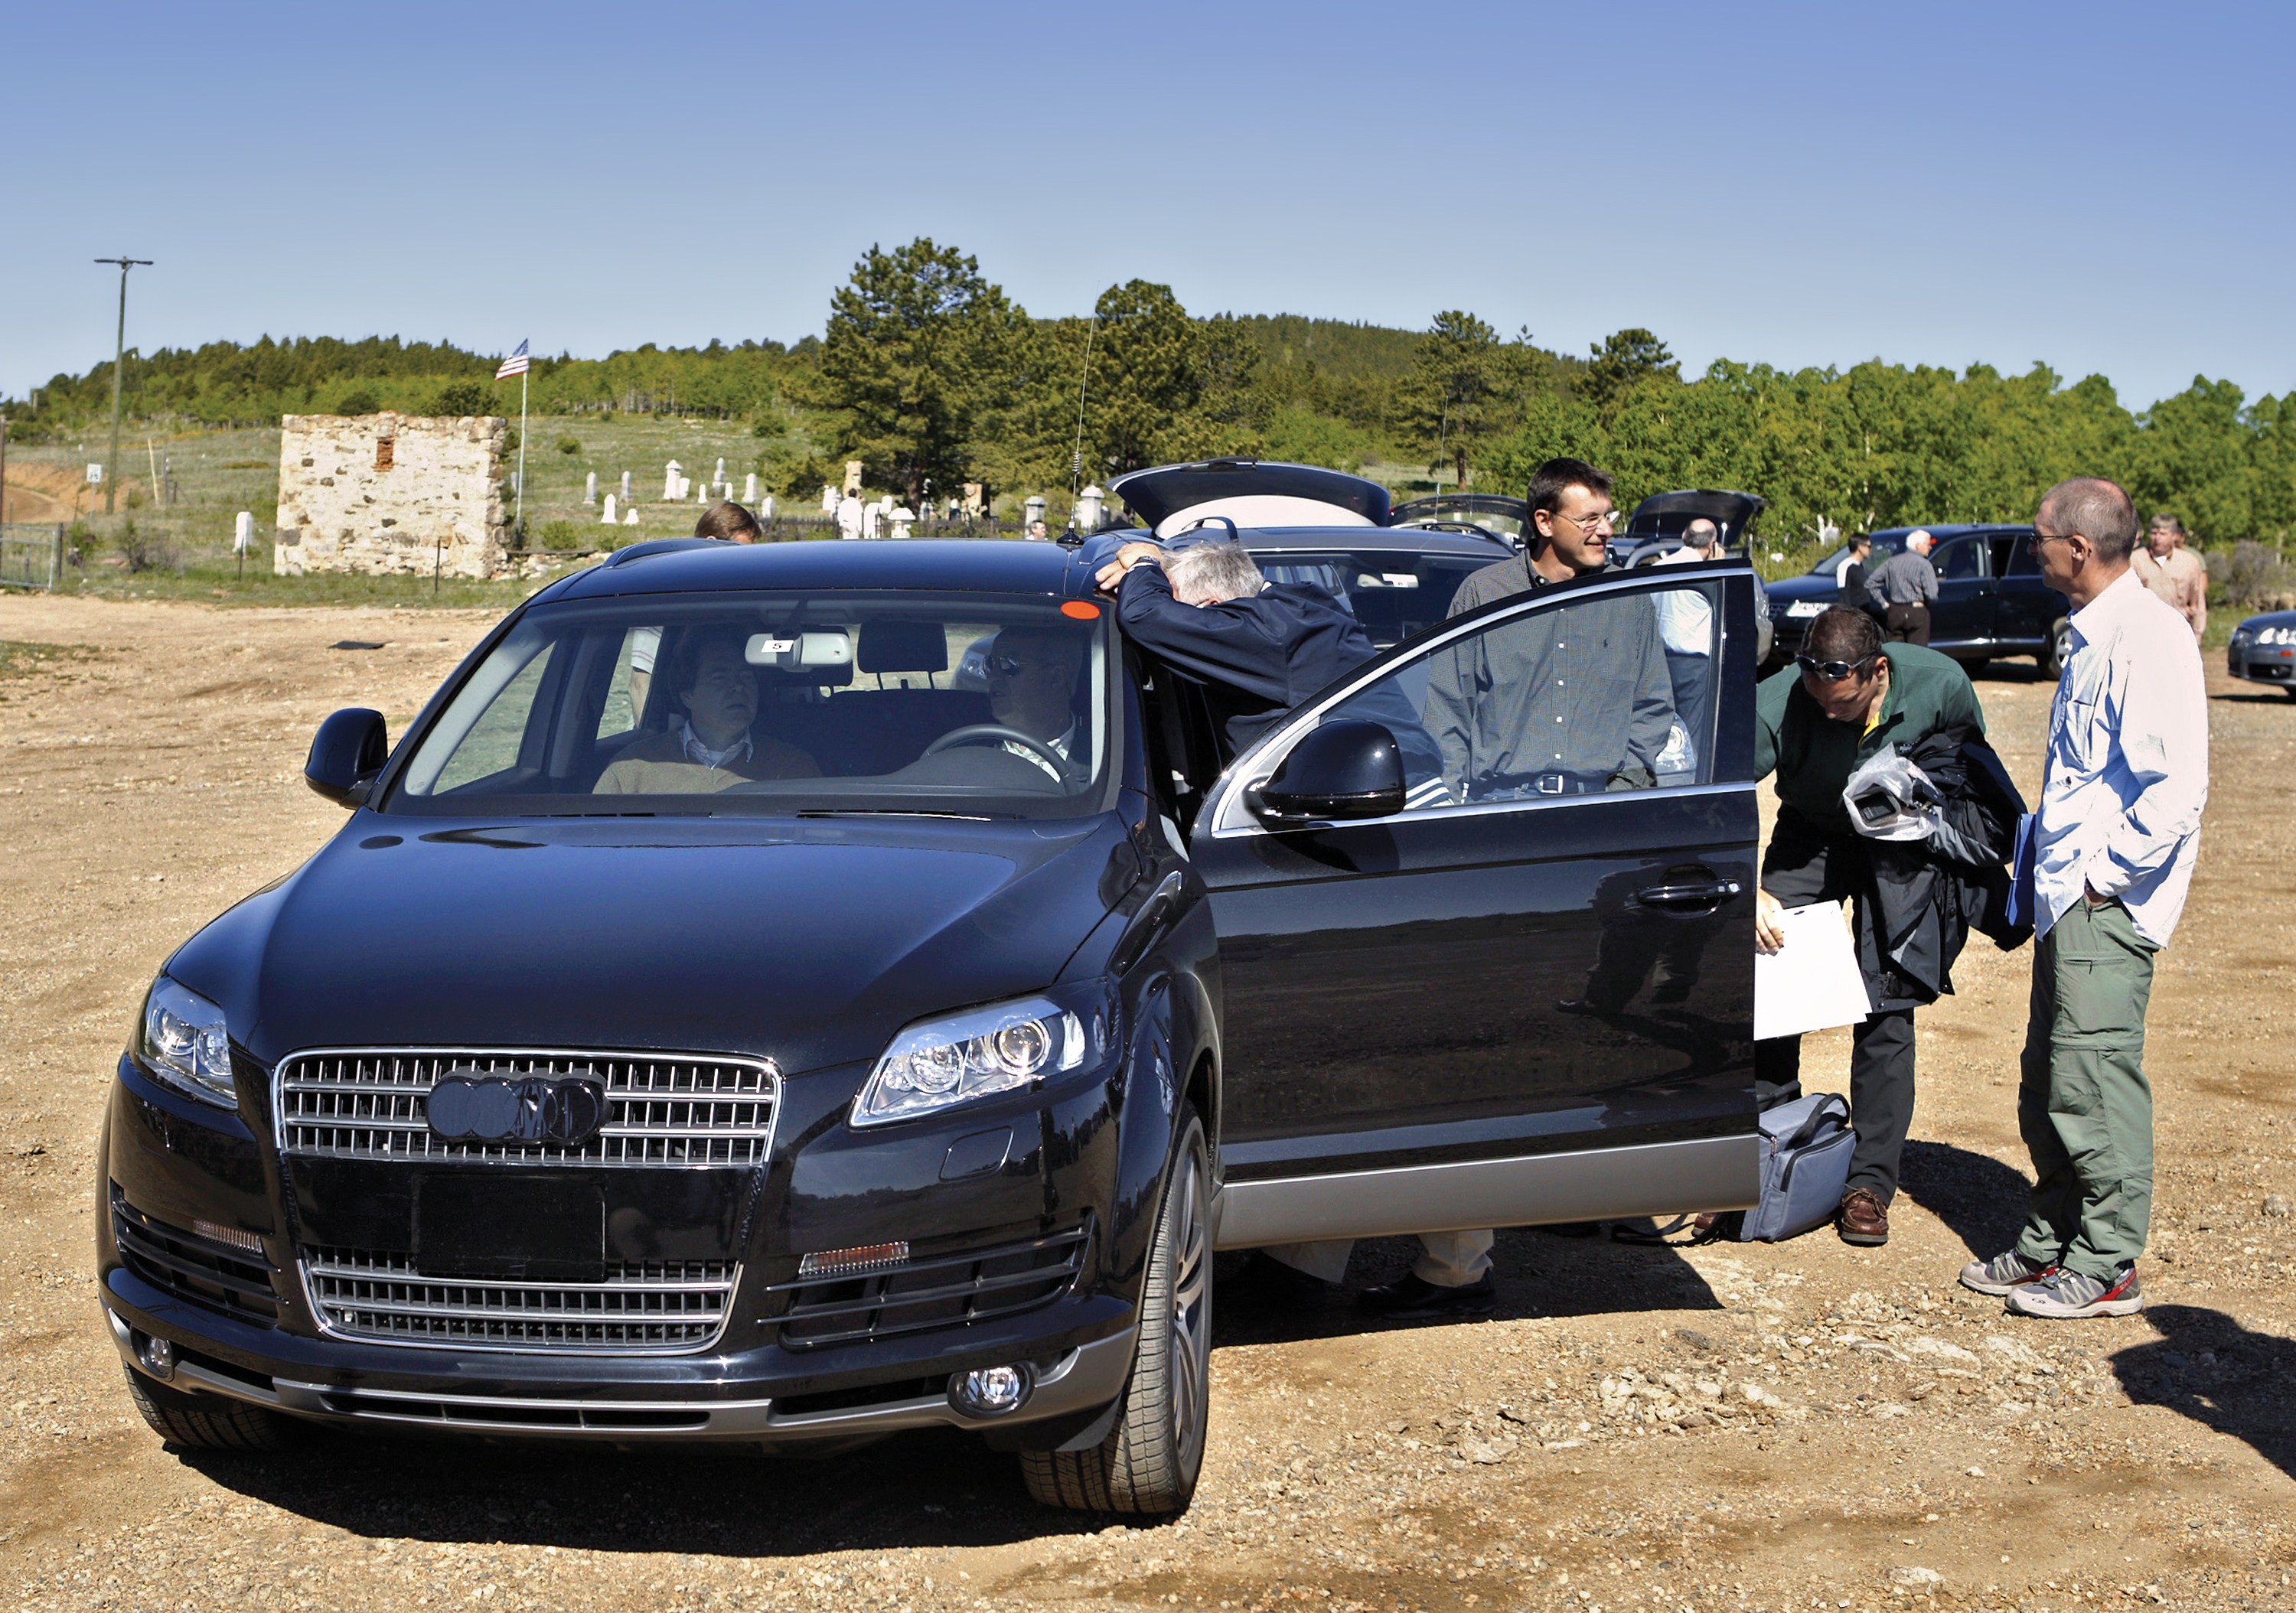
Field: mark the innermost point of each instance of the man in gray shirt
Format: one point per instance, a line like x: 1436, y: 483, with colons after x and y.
x: 1569, y: 702
x: 1906, y: 585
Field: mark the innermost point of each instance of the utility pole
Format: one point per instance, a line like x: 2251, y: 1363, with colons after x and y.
x: 119, y: 362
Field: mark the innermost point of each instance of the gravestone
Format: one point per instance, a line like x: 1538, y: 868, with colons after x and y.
x: 766, y: 510
x: 671, y: 479
x: 242, y: 532
x: 903, y: 519
x: 750, y: 489
x: 631, y: 520
x: 626, y: 486
x: 828, y: 498
x: 720, y: 477
x: 590, y: 488
x: 607, y: 519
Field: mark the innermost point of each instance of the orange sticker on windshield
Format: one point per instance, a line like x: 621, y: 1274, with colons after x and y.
x: 1084, y: 611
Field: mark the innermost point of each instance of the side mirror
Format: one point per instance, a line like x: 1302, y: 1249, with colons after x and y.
x: 1343, y: 770
x: 347, y: 752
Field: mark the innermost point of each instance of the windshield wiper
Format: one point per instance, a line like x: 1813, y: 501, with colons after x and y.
x: 897, y: 812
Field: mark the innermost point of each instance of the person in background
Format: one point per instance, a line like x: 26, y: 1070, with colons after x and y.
x: 729, y: 521
x: 1851, y: 576
x: 1685, y: 626
x: 2122, y: 788
x: 1905, y: 585
x: 2176, y: 576
x: 849, y: 516
x: 1032, y: 678
x: 1039, y: 533
x: 1816, y: 723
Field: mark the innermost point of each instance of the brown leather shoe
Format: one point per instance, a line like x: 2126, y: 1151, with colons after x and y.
x: 1863, y: 1219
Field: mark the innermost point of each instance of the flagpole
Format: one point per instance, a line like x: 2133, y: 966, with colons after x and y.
x: 522, y: 458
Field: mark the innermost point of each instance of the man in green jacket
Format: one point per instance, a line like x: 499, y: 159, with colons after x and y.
x: 1816, y: 723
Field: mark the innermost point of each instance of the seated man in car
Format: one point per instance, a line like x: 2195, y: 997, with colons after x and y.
x: 1032, y: 677
x: 709, y: 745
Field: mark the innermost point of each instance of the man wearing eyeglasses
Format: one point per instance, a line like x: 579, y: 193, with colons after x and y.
x: 1848, y: 695
x: 2113, y: 847
x: 1573, y: 703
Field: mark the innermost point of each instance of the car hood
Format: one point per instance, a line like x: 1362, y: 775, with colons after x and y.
x: 809, y: 942
x: 2269, y: 619
x: 1810, y: 585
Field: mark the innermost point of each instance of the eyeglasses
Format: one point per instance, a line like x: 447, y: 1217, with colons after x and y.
x: 1004, y: 665
x: 2038, y: 538
x: 1589, y: 523
x: 1833, y: 672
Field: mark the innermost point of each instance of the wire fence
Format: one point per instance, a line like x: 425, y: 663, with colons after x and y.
x: 31, y: 554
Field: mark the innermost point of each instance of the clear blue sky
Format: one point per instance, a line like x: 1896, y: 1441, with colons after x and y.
x: 2101, y: 187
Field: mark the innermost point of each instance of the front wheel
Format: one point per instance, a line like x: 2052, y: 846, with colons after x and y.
x: 205, y: 1422
x: 2053, y: 660
x: 1150, y: 1458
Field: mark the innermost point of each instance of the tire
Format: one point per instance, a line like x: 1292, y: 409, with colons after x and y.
x: 2052, y: 661
x: 1150, y: 1460
x: 205, y: 1422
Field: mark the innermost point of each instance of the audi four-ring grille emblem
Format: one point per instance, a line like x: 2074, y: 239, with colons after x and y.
x: 532, y: 1110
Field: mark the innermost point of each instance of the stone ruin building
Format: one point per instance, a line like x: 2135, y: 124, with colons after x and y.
x: 378, y: 494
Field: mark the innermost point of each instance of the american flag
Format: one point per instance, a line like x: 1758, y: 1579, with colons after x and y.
x: 516, y: 365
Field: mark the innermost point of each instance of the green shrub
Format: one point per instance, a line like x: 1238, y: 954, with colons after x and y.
x: 358, y: 400
x: 567, y: 445
x: 564, y: 535
x: 458, y: 399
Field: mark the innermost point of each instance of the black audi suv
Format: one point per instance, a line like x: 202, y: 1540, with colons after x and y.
x: 794, y: 994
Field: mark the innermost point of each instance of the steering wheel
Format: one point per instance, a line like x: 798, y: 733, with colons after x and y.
x: 976, y: 733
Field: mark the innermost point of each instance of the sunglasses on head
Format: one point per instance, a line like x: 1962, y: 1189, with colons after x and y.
x: 1833, y: 672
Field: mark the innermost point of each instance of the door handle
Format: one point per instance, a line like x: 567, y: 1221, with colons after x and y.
x: 1703, y: 893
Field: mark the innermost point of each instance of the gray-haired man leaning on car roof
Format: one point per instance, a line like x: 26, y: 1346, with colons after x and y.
x: 2113, y: 849
x: 1260, y: 648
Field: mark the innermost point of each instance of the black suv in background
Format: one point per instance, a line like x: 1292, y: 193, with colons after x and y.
x: 1991, y: 600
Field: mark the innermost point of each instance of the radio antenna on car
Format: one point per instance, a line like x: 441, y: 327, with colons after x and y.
x: 1076, y: 454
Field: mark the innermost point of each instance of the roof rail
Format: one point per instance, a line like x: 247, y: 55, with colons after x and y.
x: 659, y: 545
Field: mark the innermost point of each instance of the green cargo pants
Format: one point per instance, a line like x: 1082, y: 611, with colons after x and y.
x: 2083, y: 1105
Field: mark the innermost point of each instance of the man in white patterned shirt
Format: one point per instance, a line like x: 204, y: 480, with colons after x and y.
x: 2113, y: 845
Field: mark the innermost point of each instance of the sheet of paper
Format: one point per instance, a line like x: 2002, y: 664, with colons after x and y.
x: 1812, y: 982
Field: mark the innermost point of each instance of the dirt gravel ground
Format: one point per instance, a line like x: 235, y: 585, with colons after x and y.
x: 1737, y: 1426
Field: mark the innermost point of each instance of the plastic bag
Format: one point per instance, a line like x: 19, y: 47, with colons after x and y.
x: 1889, y: 798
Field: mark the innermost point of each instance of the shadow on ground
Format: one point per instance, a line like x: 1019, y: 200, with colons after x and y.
x: 1980, y: 1200
x: 2210, y: 1368
x: 1539, y: 1274
x: 924, y: 1489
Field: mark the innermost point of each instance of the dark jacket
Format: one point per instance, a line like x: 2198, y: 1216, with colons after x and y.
x: 1257, y: 658
x: 1926, y: 902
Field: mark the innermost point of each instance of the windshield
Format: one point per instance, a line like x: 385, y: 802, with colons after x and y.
x: 1393, y: 593
x: 969, y: 705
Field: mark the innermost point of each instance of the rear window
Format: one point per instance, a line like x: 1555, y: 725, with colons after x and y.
x: 971, y: 705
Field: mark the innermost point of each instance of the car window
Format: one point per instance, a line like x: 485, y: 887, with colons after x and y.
x: 2021, y: 561
x: 1394, y: 594
x: 1885, y: 544
x: 1607, y: 693
x: 1962, y: 557
x: 968, y: 704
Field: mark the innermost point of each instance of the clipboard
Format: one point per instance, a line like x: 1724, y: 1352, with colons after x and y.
x: 1813, y: 982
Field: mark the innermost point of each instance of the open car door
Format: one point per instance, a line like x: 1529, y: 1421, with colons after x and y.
x: 1518, y: 987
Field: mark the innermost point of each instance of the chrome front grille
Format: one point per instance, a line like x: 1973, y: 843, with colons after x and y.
x: 638, y: 1310
x: 661, y: 1110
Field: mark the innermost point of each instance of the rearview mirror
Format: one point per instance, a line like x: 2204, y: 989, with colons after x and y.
x: 347, y: 752
x: 1343, y: 770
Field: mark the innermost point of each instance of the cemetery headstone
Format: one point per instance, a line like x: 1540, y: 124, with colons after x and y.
x: 626, y: 486
x: 750, y: 489
x: 671, y: 491
x: 607, y: 519
x: 590, y: 488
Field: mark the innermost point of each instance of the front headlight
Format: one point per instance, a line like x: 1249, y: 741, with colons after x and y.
x: 184, y: 1042
x: 981, y: 1052
x: 2276, y: 636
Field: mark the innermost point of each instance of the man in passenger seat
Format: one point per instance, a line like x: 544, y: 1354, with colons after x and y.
x: 1032, y: 677
x: 708, y: 746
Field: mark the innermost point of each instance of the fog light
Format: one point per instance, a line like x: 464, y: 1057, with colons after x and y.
x: 157, y: 1354
x: 991, y: 1391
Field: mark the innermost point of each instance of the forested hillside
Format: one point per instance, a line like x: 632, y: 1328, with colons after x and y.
x: 929, y: 373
